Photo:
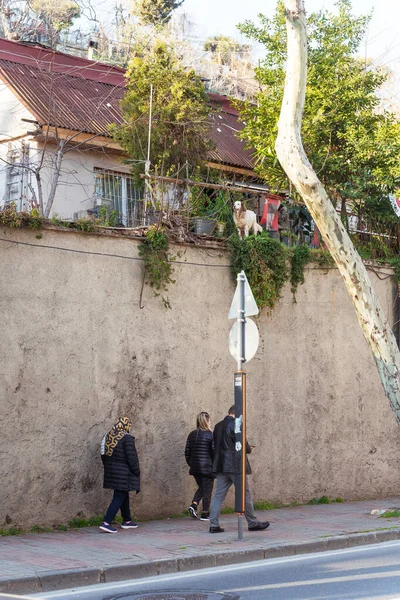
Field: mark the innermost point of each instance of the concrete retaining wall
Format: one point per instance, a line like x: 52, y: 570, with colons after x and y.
x: 77, y: 350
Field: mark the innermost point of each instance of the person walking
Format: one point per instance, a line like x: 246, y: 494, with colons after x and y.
x: 199, y: 452
x: 121, y: 473
x: 225, y: 468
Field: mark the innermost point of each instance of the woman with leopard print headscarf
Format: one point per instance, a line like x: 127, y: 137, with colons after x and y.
x: 121, y: 472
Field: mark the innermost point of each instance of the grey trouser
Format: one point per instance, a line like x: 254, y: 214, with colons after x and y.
x: 224, y: 482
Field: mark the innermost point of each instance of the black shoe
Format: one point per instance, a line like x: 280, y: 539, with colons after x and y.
x: 259, y: 526
x: 193, y: 511
x: 205, y: 516
x: 216, y: 529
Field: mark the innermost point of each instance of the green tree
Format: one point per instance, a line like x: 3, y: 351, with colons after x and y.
x: 180, y: 112
x: 39, y: 20
x: 155, y: 12
x: 225, y: 50
x: 352, y: 144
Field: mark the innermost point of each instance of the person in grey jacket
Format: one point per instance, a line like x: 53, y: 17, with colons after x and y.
x: 121, y: 473
x: 199, y: 452
x: 224, y: 465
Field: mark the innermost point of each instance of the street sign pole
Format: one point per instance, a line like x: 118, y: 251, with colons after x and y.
x: 240, y: 443
x: 240, y: 409
x: 243, y: 344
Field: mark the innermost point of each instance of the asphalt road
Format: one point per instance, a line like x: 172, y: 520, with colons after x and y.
x: 367, y: 572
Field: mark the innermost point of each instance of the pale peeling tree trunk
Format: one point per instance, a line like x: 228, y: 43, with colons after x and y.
x: 294, y: 161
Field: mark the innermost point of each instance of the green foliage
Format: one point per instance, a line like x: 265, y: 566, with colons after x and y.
x: 155, y: 12
x: 9, y: 216
x: 223, y: 47
x: 214, y: 204
x: 353, y: 146
x: 300, y: 256
x: 227, y: 510
x: 268, y: 265
x: 35, y: 219
x: 322, y: 500
x: 157, y: 260
x: 107, y: 217
x: 375, y: 248
x: 85, y: 225
x: 40, y: 529
x: 78, y: 522
x: 264, y: 260
x: 180, y: 112
x: 389, y: 514
x: 57, y: 14
x: 395, y: 263
x: 59, y: 221
x: 266, y: 505
x: 322, y: 257
x: 11, y: 531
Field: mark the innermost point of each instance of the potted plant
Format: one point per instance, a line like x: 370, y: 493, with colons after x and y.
x: 201, y: 210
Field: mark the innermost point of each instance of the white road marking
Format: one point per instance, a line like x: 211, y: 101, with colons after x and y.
x: 131, y: 583
x: 322, y: 581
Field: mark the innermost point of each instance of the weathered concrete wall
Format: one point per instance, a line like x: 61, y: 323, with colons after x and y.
x: 76, y: 351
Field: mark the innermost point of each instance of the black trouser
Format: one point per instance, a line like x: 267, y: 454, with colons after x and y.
x: 204, y: 491
x: 120, y: 501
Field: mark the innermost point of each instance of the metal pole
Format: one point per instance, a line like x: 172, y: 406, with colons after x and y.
x: 149, y: 134
x: 240, y: 396
x: 148, y: 194
x: 241, y: 322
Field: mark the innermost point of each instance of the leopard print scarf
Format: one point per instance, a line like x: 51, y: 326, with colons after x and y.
x: 111, y: 439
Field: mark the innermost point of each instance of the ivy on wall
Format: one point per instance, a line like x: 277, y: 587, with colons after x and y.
x: 157, y: 269
x: 268, y: 265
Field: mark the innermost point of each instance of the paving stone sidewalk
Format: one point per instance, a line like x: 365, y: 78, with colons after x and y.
x: 32, y: 563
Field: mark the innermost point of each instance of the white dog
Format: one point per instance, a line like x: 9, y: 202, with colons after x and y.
x: 245, y: 220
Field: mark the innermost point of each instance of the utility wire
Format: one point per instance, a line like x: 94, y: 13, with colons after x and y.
x: 179, y: 262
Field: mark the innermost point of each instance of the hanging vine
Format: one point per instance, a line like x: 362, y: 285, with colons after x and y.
x: 299, y: 257
x: 157, y: 268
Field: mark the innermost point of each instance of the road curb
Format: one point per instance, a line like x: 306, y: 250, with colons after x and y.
x: 57, y: 580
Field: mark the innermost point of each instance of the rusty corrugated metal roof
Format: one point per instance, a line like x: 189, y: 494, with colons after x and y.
x: 66, y: 101
x: 80, y: 95
x: 229, y: 149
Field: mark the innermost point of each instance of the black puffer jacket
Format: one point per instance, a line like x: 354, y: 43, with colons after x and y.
x: 224, y: 443
x: 199, y: 452
x: 121, y: 470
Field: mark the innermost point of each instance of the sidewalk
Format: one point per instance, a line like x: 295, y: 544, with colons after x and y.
x: 33, y: 563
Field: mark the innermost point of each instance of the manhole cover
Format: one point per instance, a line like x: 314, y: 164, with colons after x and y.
x: 171, y: 595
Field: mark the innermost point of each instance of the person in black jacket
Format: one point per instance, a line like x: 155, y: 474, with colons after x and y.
x: 121, y: 472
x: 199, y: 451
x: 224, y: 465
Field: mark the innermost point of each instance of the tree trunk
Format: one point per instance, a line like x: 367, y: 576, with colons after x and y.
x: 294, y: 161
x: 55, y: 177
x: 40, y: 191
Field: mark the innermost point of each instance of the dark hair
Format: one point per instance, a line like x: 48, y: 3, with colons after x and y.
x: 232, y: 410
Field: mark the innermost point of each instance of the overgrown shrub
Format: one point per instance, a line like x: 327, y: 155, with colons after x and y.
x: 265, y: 262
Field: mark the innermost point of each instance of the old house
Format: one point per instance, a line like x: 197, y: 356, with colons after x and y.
x: 56, y: 150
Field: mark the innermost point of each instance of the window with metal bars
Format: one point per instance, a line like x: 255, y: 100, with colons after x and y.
x: 18, y: 178
x: 119, y: 192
